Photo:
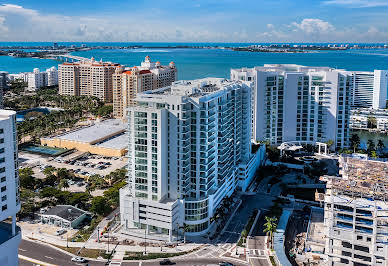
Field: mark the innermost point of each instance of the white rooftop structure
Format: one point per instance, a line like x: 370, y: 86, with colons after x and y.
x: 96, y: 132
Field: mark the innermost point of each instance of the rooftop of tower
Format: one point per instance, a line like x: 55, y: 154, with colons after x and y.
x: 288, y: 68
x: 191, y: 88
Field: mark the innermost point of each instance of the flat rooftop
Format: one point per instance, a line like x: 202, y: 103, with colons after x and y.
x: 117, y: 142
x: 189, y: 88
x: 66, y: 212
x: 95, y: 133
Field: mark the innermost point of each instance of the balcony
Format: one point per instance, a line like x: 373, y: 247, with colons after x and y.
x: 6, y: 232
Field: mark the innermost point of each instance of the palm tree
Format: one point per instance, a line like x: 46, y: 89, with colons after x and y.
x: 355, y: 142
x: 185, y: 228
x: 380, y: 145
x: 63, y: 184
x: 270, y: 227
x: 371, y: 145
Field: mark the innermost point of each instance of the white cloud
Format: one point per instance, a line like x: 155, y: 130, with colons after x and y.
x: 357, y: 3
x: 313, y: 26
x: 22, y: 24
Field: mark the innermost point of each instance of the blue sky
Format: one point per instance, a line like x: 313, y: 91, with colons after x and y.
x: 195, y: 20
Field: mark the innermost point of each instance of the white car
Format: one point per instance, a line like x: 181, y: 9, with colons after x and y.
x: 78, y: 259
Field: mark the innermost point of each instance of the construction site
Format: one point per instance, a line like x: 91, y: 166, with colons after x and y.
x: 356, y: 213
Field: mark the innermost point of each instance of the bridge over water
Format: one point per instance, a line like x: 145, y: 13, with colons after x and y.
x: 67, y: 58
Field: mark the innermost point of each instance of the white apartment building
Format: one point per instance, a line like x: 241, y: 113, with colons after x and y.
x: 186, y: 145
x: 380, y: 89
x: 130, y: 81
x: 10, y: 234
x: 37, y: 79
x: 370, y: 89
x: 356, y: 214
x: 52, y: 76
x: 359, y: 118
x: 88, y: 78
x: 299, y: 103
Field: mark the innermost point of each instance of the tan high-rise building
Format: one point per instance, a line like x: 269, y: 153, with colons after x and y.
x: 128, y: 82
x: 89, y: 78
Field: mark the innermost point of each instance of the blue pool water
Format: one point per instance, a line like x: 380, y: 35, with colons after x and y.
x: 21, y: 114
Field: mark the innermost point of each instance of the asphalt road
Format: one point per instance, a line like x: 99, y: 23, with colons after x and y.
x: 46, y: 254
x: 50, y: 255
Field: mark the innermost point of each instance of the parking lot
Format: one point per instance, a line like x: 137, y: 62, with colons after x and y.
x: 85, y: 166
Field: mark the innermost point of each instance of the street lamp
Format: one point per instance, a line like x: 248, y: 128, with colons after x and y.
x: 108, y: 241
x: 67, y: 239
x: 98, y: 234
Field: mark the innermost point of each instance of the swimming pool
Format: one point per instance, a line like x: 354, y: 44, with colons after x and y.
x: 44, y: 150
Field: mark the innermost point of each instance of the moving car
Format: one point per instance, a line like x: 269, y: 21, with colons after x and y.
x: 78, y: 259
x: 225, y: 263
x: 166, y: 262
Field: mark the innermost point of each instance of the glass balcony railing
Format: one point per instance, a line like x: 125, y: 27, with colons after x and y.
x: 6, y: 232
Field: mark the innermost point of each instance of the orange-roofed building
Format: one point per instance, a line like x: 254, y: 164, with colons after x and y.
x: 147, y: 76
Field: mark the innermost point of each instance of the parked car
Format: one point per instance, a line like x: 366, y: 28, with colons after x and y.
x: 60, y: 232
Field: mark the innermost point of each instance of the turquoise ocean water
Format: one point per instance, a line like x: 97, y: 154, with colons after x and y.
x: 200, y: 63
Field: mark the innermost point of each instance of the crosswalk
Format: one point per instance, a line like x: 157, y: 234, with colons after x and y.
x: 257, y: 253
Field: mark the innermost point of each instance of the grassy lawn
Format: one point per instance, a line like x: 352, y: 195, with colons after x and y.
x: 84, y: 234
x: 88, y: 253
x: 140, y: 256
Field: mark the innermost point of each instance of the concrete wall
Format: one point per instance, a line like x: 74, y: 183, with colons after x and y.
x: 85, y: 147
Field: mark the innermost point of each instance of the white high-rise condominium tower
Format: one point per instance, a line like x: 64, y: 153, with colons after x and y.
x: 380, y: 89
x: 186, y: 143
x: 298, y: 103
x: 10, y: 234
x: 370, y: 89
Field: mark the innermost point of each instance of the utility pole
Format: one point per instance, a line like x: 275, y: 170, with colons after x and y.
x: 145, y: 240
x: 98, y: 234
x: 67, y: 239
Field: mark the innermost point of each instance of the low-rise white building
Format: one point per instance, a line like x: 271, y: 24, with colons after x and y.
x: 362, y: 118
x: 10, y: 234
x: 37, y: 79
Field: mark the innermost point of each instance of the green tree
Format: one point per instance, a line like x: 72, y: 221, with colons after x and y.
x: 355, y: 142
x: 185, y: 229
x: 329, y: 143
x: 113, y: 194
x: 64, y: 184
x: 100, y: 206
x: 373, y: 154
x: 380, y: 145
x: 371, y: 146
x: 372, y: 122
x: 26, y: 178
x: 270, y: 227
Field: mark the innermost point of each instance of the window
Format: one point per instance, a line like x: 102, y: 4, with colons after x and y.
x: 4, y: 207
x: 3, y: 189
